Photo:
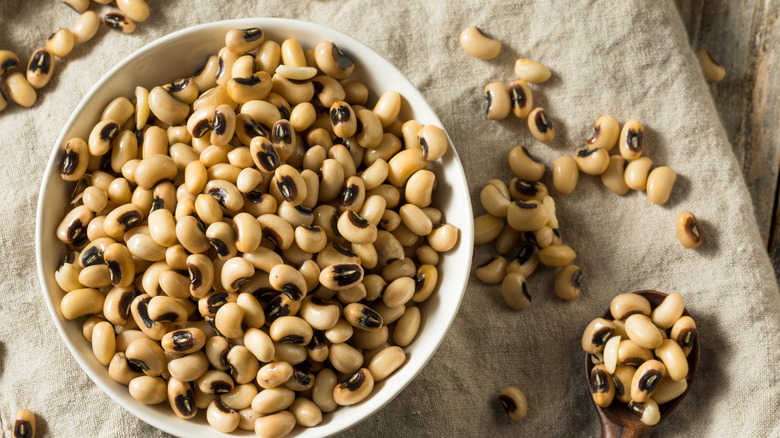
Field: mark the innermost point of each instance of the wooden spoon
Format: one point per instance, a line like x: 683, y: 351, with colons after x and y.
x: 617, y: 420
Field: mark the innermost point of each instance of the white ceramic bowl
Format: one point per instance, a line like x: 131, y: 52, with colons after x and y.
x: 180, y: 54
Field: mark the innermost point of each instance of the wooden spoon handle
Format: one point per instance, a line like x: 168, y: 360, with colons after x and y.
x: 617, y: 427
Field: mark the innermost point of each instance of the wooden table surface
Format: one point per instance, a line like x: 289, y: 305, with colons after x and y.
x: 743, y: 36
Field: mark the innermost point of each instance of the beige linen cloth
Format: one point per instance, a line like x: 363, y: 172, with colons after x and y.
x: 629, y: 59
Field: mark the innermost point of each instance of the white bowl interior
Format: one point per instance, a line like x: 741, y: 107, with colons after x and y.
x: 178, y: 55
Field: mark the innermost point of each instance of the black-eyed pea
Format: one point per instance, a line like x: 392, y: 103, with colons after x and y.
x: 89, y: 326
x: 479, y: 45
x: 592, y: 161
x: 531, y: 71
x: 669, y: 311
x: 81, y: 302
x: 147, y: 355
x: 202, y: 400
x: 498, y: 100
x: 136, y: 10
x: 40, y: 68
x: 385, y: 362
x: 660, y: 183
x: 275, y: 425
x: 425, y: 280
x: 557, y: 255
x: 354, y: 389
x: 166, y: 107
x: 306, y: 412
x: 713, y: 72
x: 352, y: 195
x: 514, y: 402
x: 627, y: 304
x: 687, y: 227
x: 344, y: 358
x: 541, y: 126
x: 669, y: 389
x: 182, y: 399
x: 121, y: 268
x: 521, y: 98
x: 527, y: 216
x: 103, y: 342
x: 632, y: 140
x: 568, y: 282
x: 524, y: 165
x: 407, y: 327
x: 148, y: 390
x: 121, y: 371
x: 602, y: 387
x: 188, y: 368
x: 434, y: 142
x: 387, y: 148
x: 636, y: 173
x: 183, y: 341
x: 596, y: 335
x: 632, y: 354
x: 290, y: 330
x: 292, y: 353
x: 229, y: 320
x: 222, y: 237
x: 605, y: 133
x: 493, y: 271
x: 340, y: 332
x: 243, y: 365
x: 673, y: 357
x: 419, y: 188
x: 183, y: 89
x: 646, y: 379
x: 332, y: 61
x: 614, y: 177
x: 75, y: 159
x: 215, y: 382
x: 544, y: 236
x: 494, y: 200
x: 362, y: 317
x: 221, y: 417
x: 20, y: 90
x: 399, y: 268
x: 507, y: 240
x: 514, y: 291
x: 415, y: 219
x: 643, y: 332
x: 684, y: 332
x: 487, y: 228
x: 426, y: 255
x: 355, y: 92
x: 444, y: 237
x: 621, y: 379
x: 523, y: 190
x: 370, y: 133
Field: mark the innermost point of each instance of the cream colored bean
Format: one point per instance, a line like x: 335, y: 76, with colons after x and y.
x: 332, y: 61
x: 592, y: 161
x: 627, y: 304
x: 614, y: 177
x: 524, y: 165
x: 605, y: 133
x: 531, y: 71
x: 521, y: 98
x: 60, y: 43
x: 487, y: 228
x: 19, y: 90
x: 541, y: 126
x: 713, y: 72
x: 668, y: 312
x: 660, y: 183
x: 632, y: 140
x: 636, y: 173
x: 24, y: 424
x: 643, y: 332
x: 387, y: 107
x: 479, y: 45
x: 275, y: 425
x: 514, y: 290
x: 568, y: 282
x: 136, y: 10
x: 688, y: 230
x: 596, y: 335
x: 514, y: 402
x: 498, y: 100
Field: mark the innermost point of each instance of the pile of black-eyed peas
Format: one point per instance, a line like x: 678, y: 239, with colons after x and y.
x: 640, y: 356
x: 253, y: 240
x: 21, y: 87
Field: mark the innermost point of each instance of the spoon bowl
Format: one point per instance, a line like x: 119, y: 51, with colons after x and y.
x: 617, y: 420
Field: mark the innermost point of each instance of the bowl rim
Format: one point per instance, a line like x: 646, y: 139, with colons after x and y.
x: 466, y: 228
